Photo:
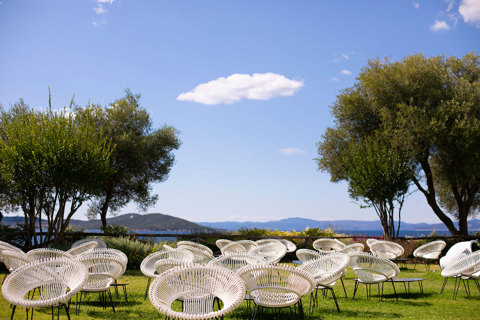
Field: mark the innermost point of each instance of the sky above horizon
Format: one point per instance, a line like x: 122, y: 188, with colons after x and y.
x: 248, y: 84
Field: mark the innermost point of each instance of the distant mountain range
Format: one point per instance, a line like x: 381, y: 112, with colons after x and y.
x: 338, y: 225
x: 133, y: 221
x: 163, y: 222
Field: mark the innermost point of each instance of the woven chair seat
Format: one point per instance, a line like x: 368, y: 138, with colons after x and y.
x: 197, y: 286
x: 57, y: 279
x: 327, y: 245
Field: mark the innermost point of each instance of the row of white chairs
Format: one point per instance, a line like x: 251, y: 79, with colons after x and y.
x: 58, y: 275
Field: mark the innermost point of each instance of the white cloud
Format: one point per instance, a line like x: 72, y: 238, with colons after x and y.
x: 341, y: 57
x: 450, y: 3
x: 259, y: 86
x: 99, y: 23
x: 334, y: 79
x: 416, y: 5
x: 106, y: 1
x: 100, y: 9
x: 440, y: 25
x: 470, y: 11
x: 346, y: 72
x: 291, y: 151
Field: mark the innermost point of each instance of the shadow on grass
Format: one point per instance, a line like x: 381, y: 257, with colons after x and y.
x: 320, y: 313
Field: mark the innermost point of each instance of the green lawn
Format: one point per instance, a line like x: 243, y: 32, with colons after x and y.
x: 414, y: 305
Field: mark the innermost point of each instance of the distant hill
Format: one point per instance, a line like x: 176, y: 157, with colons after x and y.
x: 338, y: 225
x: 133, y: 221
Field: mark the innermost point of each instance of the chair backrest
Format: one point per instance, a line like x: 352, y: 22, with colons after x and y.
x: 327, y: 245
x: 100, y: 243
x: 220, y: 243
x: 269, y: 279
x: 236, y: 261
x: 58, y: 279
x: 430, y: 250
x: 84, y: 247
x: 14, y: 259
x: 102, y: 269
x: 371, y: 268
x: 196, y: 245
x: 305, y: 255
x: 45, y: 253
x: 7, y: 246
x: 272, y: 252
x: 110, y: 252
x: 233, y: 247
x: 390, y: 250
x: 248, y: 244
x: 327, y: 268
x: 166, y: 264
x: 148, y: 264
x: 456, y: 252
x: 197, y: 286
x: 291, y: 247
x: 466, y: 266
x: 354, y: 247
x: 370, y: 242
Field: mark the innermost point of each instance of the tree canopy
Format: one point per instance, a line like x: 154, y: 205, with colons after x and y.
x: 428, y: 110
x: 50, y: 164
x: 142, y: 155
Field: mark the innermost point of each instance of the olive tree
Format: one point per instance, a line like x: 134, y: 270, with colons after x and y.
x: 50, y: 164
x: 428, y: 109
x: 142, y: 155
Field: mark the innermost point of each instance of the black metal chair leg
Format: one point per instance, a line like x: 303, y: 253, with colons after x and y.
x: 355, y: 289
x: 13, y: 311
x: 66, y: 311
x: 343, y: 285
x: 111, y: 300
x: 335, y: 299
x: 444, y: 283
x: 146, y: 290
x: 395, y: 291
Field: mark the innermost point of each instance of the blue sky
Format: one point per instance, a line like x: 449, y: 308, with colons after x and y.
x: 249, y: 84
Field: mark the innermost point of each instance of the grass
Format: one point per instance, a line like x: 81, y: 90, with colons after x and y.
x: 414, y: 305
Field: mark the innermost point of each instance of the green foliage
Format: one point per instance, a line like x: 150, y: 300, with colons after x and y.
x: 50, y: 163
x: 308, y: 232
x: 142, y: 156
x: 427, y: 110
x: 116, y: 229
x: 135, y: 250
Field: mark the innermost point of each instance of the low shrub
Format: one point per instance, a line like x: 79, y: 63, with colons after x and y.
x: 135, y: 250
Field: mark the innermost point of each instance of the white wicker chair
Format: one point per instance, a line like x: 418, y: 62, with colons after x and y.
x: 272, y: 252
x: 220, y: 243
x: 388, y: 249
x: 110, y: 252
x: 196, y: 245
x: 197, y: 287
x: 102, y: 270
x: 327, y: 245
x: 371, y: 269
x: 277, y: 286
x: 353, y: 248
x: 232, y: 247
x: 429, y: 251
x: 305, y: 255
x: 248, y: 244
x: 466, y: 267
x: 370, y: 242
x: 45, y: 253
x: 100, y: 243
x: 14, y: 259
x: 58, y: 280
x: 7, y: 246
x: 84, y: 247
x: 457, y: 252
x: 326, y: 271
x: 236, y: 261
x: 291, y: 247
x: 147, y: 267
